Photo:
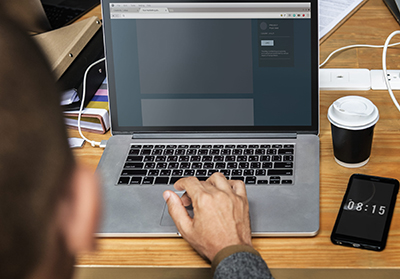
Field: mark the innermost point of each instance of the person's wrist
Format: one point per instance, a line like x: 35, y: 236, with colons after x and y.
x: 230, y: 250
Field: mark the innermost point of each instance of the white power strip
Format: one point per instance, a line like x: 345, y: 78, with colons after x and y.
x: 357, y: 79
x: 378, y: 81
x: 344, y: 79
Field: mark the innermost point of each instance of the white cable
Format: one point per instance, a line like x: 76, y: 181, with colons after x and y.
x: 92, y: 142
x: 389, y: 88
x: 352, y: 46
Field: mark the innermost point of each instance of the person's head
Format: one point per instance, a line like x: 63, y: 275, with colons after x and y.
x: 48, y: 205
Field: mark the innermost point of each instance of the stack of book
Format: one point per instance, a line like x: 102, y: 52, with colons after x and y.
x: 95, y: 117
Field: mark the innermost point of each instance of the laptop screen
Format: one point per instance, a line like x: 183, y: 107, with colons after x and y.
x: 212, y: 66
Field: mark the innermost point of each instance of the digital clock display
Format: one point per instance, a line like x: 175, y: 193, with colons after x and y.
x: 366, y: 208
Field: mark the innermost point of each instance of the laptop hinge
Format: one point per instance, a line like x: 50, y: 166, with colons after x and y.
x: 213, y: 135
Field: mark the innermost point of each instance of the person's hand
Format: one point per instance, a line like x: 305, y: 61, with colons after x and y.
x: 221, y: 213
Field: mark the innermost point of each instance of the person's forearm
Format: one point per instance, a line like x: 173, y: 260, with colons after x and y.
x: 239, y: 262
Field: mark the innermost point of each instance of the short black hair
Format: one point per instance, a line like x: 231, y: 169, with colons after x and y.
x: 35, y: 159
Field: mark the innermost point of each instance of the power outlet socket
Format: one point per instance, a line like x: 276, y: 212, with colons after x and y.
x: 378, y: 81
x: 344, y: 79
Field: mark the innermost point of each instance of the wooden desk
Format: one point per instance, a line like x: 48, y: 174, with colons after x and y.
x: 289, y: 257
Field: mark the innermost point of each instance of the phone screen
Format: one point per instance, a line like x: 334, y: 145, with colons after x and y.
x: 367, y: 208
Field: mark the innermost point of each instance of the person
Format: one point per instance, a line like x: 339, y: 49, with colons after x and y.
x: 50, y: 204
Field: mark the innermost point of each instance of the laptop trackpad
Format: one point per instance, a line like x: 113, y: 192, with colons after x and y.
x: 166, y: 219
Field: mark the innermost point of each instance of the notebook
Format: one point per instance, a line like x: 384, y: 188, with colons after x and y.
x: 200, y: 87
x: 44, y: 15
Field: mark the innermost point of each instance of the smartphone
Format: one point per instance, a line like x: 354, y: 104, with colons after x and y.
x: 393, y: 6
x: 366, y: 212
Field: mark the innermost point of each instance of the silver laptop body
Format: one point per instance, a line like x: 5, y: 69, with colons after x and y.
x: 232, y: 77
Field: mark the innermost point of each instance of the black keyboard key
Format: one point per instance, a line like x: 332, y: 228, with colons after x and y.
x: 133, y: 165
x: 230, y: 146
x: 134, y: 172
x: 286, y: 151
x: 172, y: 159
x: 218, y: 158
x: 265, y: 146
x: 201, y: 172
x: 160, y: 146
x: 259, y: 152
x: 237, y: 152
x: 165, y: 173
x: 177, y: 172
x: 280, y: 172
x: 195, y: 146
x: 208, y: 165
x: 267, y: 165
x: 184, y: 166
x: 153, y: 172
x: 134, y: 152
x: 195, y: 159
x: 214, y: 152
x: 255, y: 165
x: 202, y: 178
x: 261, y: 172
x: 275, y: 180
x: 191, y: 152
x: 173, y: 165
x: 145, y: 152
x: 241, y: 158
x: 277, y: 146
x: 253, y: 158
x: 171, y: 146
x: 123, y: 180
x: 161, y: 180
x: 266, y: 158
x: 243, y: 165
x: 149, y: 165
x: 180, y: 152
x: 183, y: 159
x: 189, y: 173
x: 288, y: 146
x: 248, y: 173
x: 232, y: 165
x: 287, y: 181
x: 136, y: 146
x: 288, y: 158
x: 220, y: 165
x: 271, y: 151
x: 161, y: 158
x: 134, y: 159
x: 237, y: 178
x: 203, y: 152
x: 206, y: 146
x: 254, y: 146
x: 226, y: 152
x: 218, y: 146
x: 184, y: 146
x: 241, y: 146
x: 287, y: 165
x: 262, y: 181
x: 148, y: 180
x: 169, y: 152
x: 157, y: 152
x: 197, y: 165
x: 250, y: 180
x: 248, y: 152
x: 148, y: 146
x: 206, y: 159
x: 149, y: 158
x: 237, y: 172
x: 136, y: 180
x: 276, y: 158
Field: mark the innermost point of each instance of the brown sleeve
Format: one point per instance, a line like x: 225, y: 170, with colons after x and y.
x: 229, y: 250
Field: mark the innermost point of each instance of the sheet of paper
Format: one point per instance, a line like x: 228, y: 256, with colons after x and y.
x: 331, y: 12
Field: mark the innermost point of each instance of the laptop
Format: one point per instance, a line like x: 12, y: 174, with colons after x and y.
x: 44, y: 15
x: 202, y: 87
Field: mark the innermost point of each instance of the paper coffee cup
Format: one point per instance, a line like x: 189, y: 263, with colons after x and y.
x: 353, y: 119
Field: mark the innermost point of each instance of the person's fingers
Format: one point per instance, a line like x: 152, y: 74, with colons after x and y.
x: 238, y: 187
x: 186, y: 200
x: 190, y: 184
x: 177, y: 211
x: 219, y: 181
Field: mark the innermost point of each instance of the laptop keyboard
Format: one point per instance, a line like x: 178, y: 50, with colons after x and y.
x: 60, y: 16
x: 255, y: 164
